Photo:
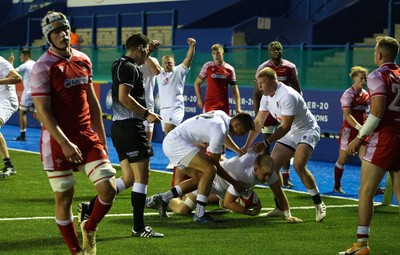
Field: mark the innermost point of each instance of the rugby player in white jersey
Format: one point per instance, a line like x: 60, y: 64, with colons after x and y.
x: 253, y: 168
x: 171, y: 83
x: 296, y: 136
x: 213, y: 130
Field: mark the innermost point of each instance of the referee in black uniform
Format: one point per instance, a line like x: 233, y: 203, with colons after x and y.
x: 128, y: 131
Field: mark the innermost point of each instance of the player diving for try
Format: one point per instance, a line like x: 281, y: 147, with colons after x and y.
x: 252, y: 168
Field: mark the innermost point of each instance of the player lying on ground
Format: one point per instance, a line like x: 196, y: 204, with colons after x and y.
x: 253, y: 168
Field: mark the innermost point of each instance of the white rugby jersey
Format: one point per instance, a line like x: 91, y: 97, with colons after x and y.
x: 287, y: 101
x: 211, y: 127
x: 170, y: 86
x: 241, y: 169
x: 7, y: 92
x: 26, y: 69
x: 149, y: 80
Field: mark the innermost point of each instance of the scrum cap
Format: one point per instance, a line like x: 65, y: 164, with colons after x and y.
x: 53, y: 21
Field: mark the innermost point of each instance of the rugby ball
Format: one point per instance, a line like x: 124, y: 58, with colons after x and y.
x: 249, y: 201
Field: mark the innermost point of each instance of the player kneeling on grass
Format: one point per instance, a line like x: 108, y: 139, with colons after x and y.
x: 252, y: 168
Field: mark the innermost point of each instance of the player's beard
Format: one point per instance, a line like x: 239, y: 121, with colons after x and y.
x: 63, y: 42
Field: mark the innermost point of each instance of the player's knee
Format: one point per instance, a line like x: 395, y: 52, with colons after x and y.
x: 210, y: 171
x: 299, y: 167
x: 107, y: 190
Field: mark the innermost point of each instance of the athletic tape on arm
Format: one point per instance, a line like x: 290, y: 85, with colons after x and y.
x: 370, y: 124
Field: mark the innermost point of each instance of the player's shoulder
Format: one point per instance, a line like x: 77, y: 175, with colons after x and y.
x: 44, y: 62
x: 209, y: 64
x: 4, y: 63
x: 228, y: 66
x: 286, y: 92
x: 349, y: 91
x: 80, y: 55
x: 287, y: 63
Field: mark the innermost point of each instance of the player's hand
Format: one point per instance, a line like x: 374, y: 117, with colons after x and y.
x: 153, y: 118
x: 154, y: 45
x: 191, y: 41
x: 11, y: 58
x: 240, y: 186
x: 258, y: 147
x: 253, y: 211
x: 200, y: 103
x: 354, y: 146
x: 293, y: 219
x: 72, y: 152
x: 245, y: 148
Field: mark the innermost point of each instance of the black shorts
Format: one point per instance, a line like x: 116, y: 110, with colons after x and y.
x: 130, y: 140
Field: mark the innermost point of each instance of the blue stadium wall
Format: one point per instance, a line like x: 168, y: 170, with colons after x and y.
x: 344, y: 21
x: 325, y: 105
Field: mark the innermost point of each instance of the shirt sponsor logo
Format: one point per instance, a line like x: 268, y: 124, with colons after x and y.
x: 75, y: 81
x: 218, y: 76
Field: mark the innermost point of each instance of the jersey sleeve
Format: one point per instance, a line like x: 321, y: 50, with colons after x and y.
x: 5, y: 68
x: 40, y: 80
x: 203, y: 71
x: 218, y: 139
x: 346, y: 100
x: 263, y: 104
x: 376, y: 85
x: 21, y: 68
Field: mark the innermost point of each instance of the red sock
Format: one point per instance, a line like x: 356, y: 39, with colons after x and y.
x: 70, y: 236
x: 100, y: 209
x: 286, y: 175
x: 362, y: 233
x: 338, y: 175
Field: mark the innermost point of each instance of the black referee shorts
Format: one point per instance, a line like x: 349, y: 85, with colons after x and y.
x: 130, y: 140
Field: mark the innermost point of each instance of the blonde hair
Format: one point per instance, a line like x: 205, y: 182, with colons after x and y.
x: 168, y: 56
x: 389, y: 44
x: 355, y: 70
x: 217, y: 47
x: 264, y: 161
x: 269, y: 73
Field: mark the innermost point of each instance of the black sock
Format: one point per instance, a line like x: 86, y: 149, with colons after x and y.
x: 317, y: 199
x: 138, y: 200
x: 175, y: 192
x: 7, y: 162
x: 277, y: 204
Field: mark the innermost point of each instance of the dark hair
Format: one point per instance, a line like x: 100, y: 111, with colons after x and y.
x: 245, y: 119
x: 25, y: 52
x: 135, y: 40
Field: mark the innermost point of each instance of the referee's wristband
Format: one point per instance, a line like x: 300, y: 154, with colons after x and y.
x: 266, y: 142
x: 146, y: 114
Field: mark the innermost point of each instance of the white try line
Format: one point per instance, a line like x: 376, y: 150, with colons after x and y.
x: 156, y: 213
